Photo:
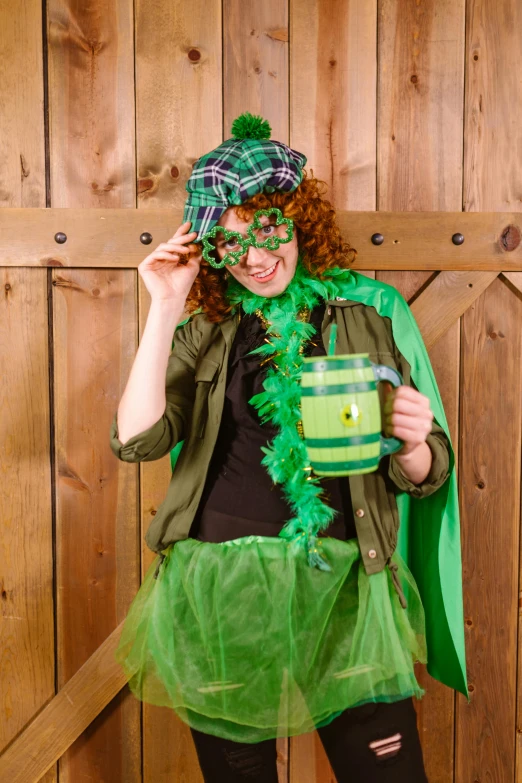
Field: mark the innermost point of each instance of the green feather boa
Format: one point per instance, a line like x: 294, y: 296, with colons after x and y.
x: 286, y: 458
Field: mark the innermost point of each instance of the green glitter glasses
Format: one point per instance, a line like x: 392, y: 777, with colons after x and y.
x: 269, y: 229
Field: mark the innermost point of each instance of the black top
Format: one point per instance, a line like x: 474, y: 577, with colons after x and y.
x: 239, y: 498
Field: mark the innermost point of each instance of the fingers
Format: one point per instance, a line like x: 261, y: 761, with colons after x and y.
x: 172, y: 247
x: 183, y: 258
x: 409, y: 393
x: 183, y: 239
x: 163, y: 256
x: 402, y: 405
x: 409, y: 423
x: 407, y: 414
x: 404, y: 397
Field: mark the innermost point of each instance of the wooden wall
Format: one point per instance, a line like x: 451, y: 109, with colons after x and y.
x: 400, y: 105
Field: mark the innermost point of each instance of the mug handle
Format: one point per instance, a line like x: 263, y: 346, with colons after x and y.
x: 384, y: 373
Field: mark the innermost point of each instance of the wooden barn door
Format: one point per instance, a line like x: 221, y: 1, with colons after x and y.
x: 401, y: 107
x: 92, y: 324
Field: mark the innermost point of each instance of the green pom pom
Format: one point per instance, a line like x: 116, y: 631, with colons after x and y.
x: 248, y: 126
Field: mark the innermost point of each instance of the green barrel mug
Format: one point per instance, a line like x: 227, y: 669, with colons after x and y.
x: 341, y: 413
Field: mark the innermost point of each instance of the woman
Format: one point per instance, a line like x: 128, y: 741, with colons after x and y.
x: 276, y: 604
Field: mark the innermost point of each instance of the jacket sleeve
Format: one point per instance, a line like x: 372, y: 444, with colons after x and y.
x: 161, y: 437
x: 439, y: 445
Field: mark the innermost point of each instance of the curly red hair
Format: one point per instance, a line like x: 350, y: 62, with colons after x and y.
x: 319, y: 239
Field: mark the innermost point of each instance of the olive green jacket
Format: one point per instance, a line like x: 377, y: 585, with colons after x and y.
x: 195, y: 389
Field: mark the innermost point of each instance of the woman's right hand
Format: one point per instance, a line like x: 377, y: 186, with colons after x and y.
x: 170, y: 270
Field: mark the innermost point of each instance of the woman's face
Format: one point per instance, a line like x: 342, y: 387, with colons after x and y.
x: 253, y: 265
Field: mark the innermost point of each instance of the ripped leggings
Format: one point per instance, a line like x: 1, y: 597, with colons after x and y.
x: 373, y: 743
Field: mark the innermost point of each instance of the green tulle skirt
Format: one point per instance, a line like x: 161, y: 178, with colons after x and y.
x: 244, y: 640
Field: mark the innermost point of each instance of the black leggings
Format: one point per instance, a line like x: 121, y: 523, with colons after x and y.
x: 373, y: 743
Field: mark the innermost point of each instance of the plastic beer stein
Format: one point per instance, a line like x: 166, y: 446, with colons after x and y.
x: 341, y: 413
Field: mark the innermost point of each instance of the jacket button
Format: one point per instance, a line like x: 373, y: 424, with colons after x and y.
x: 372, y: 553
x: 359, y: 512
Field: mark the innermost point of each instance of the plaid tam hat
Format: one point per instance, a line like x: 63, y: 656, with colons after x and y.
x: 240, y: 167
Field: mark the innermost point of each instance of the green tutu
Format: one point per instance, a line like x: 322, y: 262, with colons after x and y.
x: 244, y: 640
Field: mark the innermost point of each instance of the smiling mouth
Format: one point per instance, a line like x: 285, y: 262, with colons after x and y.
x: 267, y: 272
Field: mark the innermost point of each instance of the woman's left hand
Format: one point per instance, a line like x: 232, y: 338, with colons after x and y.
x: 407, y: 416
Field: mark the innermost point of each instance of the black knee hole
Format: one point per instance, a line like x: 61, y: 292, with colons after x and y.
x: 386, y: 748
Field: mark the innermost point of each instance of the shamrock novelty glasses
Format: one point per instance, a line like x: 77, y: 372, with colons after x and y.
x: 269, y: 229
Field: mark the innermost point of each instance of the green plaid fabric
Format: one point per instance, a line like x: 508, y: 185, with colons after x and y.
x: 234, y: 171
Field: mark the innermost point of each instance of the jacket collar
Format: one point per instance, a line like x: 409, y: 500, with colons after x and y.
x: 229, y: 328
x: 229, y: 325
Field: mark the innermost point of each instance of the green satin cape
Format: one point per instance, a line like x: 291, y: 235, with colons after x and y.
x: 429, y: 533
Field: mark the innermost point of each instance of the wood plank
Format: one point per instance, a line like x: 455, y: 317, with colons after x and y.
x: 421, y: 50
x: 255, y: 63
x: 97, y: 552
x: 418, y: 241
x: 333, y: 122
x: 26, y: 574
x: 27, y: 666
x: 445, y: 299
x: 333, y: 108
x: 490, y: 502
x: 514, y: 278
x: 91, y: 103
x: 27, y: 634
x: 179, y: 115
x: 421, y: 78
x: 69, y: 713
x: 486, y: 730
x: 183, y: 42
x: 22, y: 108
x: 92, y: 165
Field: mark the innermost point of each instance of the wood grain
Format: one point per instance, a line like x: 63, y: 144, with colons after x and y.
x: 491, y: 388
x: 493, y: 119
x: 26, y: 553
x: 514, y: 279
x: 486, y: 747
x: 22, y: 153
x: 421, y: 78
x: 445, y: 299
x: 255, y: 63
x: 97, y: 553
x: 420, y: 115
x: 69, y: 713
x: 92, y: 165
x: 178, y: 95
x: 333, y: 109
x: 91, y: 103
x: 27, y: 666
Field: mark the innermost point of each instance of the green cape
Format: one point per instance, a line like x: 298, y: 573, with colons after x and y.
x: 429, y: 533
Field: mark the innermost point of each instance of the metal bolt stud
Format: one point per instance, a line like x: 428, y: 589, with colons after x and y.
x: 60, y: 237
x: 377, y: 239
x: 146, y: 238
x: 457, y: 239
